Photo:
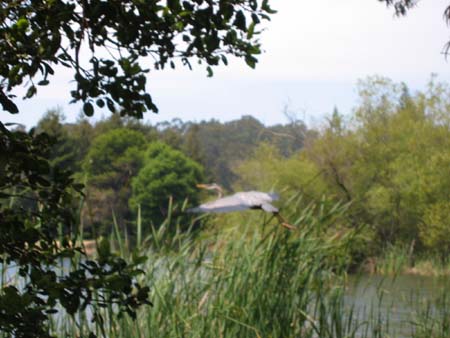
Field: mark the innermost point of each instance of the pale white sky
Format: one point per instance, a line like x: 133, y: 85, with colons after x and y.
x: 315, y: 51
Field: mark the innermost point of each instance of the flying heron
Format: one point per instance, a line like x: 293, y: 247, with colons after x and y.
x: 240, y: 201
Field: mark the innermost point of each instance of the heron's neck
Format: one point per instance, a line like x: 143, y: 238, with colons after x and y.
x: 219, y: 192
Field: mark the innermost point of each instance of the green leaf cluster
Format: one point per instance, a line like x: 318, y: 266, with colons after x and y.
x: 37, y: 36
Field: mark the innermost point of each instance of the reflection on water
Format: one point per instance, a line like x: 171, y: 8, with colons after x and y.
x: 395, y: 301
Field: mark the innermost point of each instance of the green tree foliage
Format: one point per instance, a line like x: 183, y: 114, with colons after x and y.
x: 216, y: 146
x: 36, y: 36
x: 116, y: 121
x: 81, y: 134
x: 113, y: 159
x: 403, y: 150
x: 435, y: 229
x: 192, y: 145
x: 166, y: 174
x: 268, y: 170
x: 71, y: 140
x: 172, y: 132
x: 391, y: 160
x: 114, y: 156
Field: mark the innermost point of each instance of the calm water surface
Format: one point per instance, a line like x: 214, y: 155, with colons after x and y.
x: 396, y: 301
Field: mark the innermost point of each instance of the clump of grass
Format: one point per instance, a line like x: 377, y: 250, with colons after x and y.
x: 399, y: 259
x: 395, y: 260
x: 431, y: 266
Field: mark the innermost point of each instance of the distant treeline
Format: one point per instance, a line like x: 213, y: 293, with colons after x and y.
x: 215, y: 145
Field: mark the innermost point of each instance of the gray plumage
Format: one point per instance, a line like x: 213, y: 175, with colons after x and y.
x: 240, y: 201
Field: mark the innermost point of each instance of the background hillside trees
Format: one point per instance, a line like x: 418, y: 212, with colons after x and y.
x: 110, y: 153
x: 223, y: 145
x: 389, y: 159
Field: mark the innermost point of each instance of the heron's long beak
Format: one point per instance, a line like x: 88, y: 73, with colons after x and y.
x: 211, y: 187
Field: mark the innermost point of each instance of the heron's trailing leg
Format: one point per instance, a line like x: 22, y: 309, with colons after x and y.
x: 283, y: 222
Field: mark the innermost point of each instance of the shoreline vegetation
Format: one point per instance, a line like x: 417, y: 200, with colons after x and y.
x: 423, y: 267
x: 383, y: 266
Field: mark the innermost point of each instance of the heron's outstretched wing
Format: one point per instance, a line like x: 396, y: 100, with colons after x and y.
x: 269, y: 207
x: 226, y: 204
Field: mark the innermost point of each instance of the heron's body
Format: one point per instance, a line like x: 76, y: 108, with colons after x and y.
x: 240, y: 201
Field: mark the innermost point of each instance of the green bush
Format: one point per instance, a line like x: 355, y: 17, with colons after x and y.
x: 166, y: 173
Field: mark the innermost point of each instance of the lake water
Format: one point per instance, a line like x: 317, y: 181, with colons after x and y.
x: 396, y: 301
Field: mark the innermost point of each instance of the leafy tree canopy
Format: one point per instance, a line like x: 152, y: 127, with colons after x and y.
x: 36, y: 36
x: 112, y: 160
x: 166, y: 173
x: 114, y: 152
x: 222, y: 145
x: 64, y: 149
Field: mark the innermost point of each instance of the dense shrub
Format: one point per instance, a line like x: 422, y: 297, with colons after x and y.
x: 166, y: 173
